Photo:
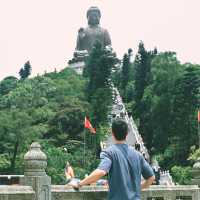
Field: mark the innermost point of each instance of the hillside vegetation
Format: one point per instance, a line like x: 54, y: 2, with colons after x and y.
x: 161, y: 94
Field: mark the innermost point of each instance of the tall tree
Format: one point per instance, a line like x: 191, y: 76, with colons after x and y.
x: 15, y: 134
x: 165, y: 69
x: 125, y: 71
x: 99, y: 89
x: 25, y: 71
x: 185, y: 106
x: 143, y: 78
x: 7, y: 84
x: 142, y: 72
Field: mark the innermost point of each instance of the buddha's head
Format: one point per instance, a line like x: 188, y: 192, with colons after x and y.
x: 93, y: 16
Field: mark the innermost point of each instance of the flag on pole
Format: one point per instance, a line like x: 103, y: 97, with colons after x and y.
x: 198, y: 115
x: 89, y: 126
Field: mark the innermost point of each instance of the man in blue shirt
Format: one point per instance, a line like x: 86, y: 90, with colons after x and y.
x: 124, y: 167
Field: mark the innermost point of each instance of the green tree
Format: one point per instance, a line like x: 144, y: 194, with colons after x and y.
x: 181, y: 175
x: 185, y: 106
x: 28, y: 110
x: 142, y: 72
x: 125, y: 71
x: 25, y: 71
x: 99, y: 69
x: 142, y: 101
x: 7, y: 84
x: 16, y: 134
x: 68, y: 122
x: 165, y: 70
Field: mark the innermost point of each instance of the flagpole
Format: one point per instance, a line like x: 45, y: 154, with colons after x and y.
x: 84, y: 148
x: 198, y: 133
x: 95, y: 145
x: 87, y: 125
x: 198, y: 127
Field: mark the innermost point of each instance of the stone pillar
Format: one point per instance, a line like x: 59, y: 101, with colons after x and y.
x: 34, y: 172
x: 196, y: 177
x: 196, y: 173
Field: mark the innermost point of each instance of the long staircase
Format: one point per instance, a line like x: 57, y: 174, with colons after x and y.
x: 119, y: 111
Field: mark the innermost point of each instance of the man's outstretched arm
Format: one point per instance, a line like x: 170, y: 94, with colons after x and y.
x: 92, y: 178
x: 147, y: 182
x: 102, y: 170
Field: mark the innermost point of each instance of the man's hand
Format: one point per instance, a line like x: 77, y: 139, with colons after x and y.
x: 147, y: 182
x: 92, y: 178
x: 75, y: 185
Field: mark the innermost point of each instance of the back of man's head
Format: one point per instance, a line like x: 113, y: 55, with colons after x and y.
x: 119, y: 129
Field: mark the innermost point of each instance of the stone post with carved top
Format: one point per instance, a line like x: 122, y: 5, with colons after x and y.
x: 34, y: 173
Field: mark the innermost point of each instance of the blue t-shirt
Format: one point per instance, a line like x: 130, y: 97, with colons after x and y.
x: 124, y: 166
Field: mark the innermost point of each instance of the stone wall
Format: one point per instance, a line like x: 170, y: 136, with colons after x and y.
x: 178, y: 192
x: 61, y: 192
x: 16, y: 193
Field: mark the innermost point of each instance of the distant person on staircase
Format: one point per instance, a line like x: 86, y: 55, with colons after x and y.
x: 124, y: 167
x: 156, y: 169
x: 137, y: 147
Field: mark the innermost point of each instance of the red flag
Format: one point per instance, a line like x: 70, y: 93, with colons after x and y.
x: 89, y: 126
x: 198, y: 116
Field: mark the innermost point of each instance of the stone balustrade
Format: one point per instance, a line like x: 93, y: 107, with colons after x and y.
x: 179, y: 192
x: 16, y: 192
x: 61, y: 192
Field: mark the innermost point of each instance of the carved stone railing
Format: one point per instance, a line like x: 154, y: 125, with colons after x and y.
x: 61, y: 192
x: 188, y: 192
x: 16, y: 192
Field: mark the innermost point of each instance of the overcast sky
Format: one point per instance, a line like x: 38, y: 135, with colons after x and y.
x: 44, y: 31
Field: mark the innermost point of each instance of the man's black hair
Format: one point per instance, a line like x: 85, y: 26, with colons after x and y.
x: 119, y: 129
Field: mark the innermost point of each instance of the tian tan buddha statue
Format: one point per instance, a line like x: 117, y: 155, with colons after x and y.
x: 89, y: 35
